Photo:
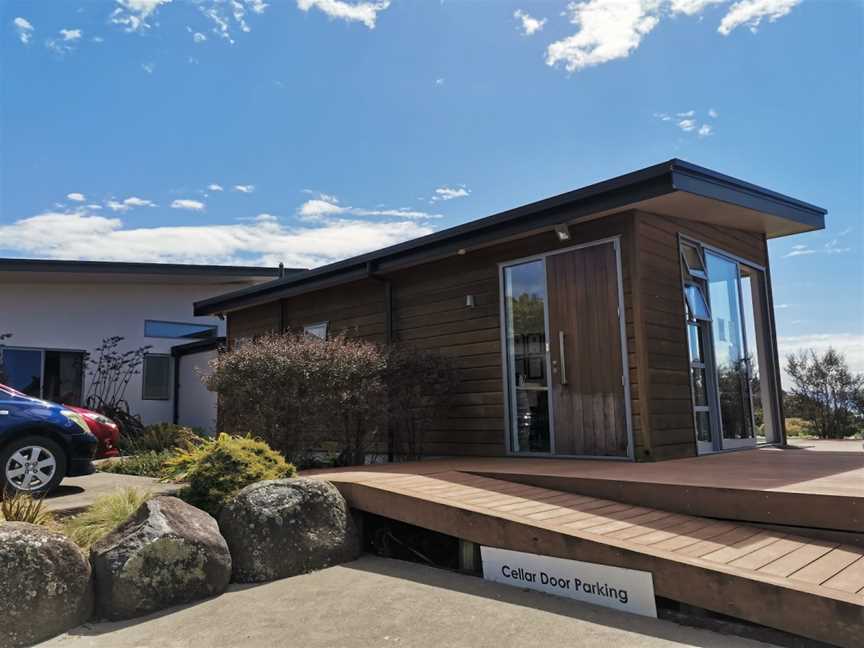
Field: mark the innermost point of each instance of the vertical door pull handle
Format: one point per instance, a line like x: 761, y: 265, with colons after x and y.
x: 563, y: 358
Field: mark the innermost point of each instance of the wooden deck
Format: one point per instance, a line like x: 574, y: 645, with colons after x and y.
x: 809, y: 587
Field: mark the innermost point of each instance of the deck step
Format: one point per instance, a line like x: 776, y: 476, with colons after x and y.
x: 800, y: 585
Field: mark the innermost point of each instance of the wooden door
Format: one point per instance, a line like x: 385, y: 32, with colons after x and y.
x: 585, y: 347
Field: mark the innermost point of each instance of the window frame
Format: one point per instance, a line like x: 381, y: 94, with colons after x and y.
x: 212, y: 328
x: 144, y: 396
x: 43, y: 351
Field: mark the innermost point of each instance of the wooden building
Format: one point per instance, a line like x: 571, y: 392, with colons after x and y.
x: 629, y: 319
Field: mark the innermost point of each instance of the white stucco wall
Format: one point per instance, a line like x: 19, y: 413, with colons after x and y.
x: 197, y: 405
x: 78, y: 316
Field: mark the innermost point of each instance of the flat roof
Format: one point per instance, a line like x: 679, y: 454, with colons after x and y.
x: 125, y: 267
x: 673, y: 187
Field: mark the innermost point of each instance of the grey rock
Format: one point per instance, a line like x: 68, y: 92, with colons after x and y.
x: 168, y: 553
x: 45, y: 584
x: 285, y: 527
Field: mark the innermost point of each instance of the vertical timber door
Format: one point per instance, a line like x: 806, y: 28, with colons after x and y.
x: 586, y: 352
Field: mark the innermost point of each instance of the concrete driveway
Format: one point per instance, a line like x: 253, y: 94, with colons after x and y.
x: 77, y: 493
x: 379, y: 602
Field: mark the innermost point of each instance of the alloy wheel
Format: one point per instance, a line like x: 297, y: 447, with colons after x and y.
x: 31, y: 467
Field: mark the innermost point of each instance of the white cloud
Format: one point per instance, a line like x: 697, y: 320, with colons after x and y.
x: 77, y: 197
x: 608, y: 30
x: 851, y: 345
x: 215, y: 187
x: 185, y: 203
x: 691, y: 7
x: 687, y: 124
x: 81, y: 235
x: 834, y: 246
x: 198, y: 37
x: 689, y: 113
x: 148, y: 67
x: 325, y: 206
x: 528, y: 23
x: 751, y: 13
x: 129, y: 203
x: 364, y: 12
x: 439, y: 81
x: 222, y: 12
x: 449, y: 193
x: 24, y: 29
x: 244, y: 188
x: 70, y: 34
x: 705, y: 130
x: 132, y: 15
x: 712, y: 113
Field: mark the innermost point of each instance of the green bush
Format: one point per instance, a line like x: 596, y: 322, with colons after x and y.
x: 103, y: 516
x: 215, y: 469
x: 145, y: 464
x: 158, y: 438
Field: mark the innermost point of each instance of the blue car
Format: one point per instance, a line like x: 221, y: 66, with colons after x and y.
x: 41, y: 443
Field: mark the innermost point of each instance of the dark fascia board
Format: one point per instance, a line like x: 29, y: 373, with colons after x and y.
x: 207, y: 344
x: 122, y: 267
x: 651, y: 182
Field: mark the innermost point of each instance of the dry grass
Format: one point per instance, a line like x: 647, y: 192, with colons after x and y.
x: 21, y: 507
x: 106, y: 514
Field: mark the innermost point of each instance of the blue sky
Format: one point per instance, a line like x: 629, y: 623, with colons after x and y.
x: 305, y: 131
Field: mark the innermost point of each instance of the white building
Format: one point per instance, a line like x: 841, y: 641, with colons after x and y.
x: 58, y: 311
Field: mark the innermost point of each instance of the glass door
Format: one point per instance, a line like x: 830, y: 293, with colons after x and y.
x: 527, y: 357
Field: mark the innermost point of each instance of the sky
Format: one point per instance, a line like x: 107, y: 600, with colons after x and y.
x: 306, y: 131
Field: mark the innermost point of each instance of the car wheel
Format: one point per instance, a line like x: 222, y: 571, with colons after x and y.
x: 32, y: 464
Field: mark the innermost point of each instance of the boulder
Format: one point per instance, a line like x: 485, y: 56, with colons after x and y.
x: 168, y: 553
x: 285, y: 527
x: 45, y: 584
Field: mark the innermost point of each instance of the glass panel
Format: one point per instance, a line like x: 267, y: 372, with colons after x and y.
x: 729, y: 353
x: 21, y: 369
x: 761, y: 385
x: 694, y: 340
x: 155, y: 328
x: 700, y: 389
x: 698, y: 309
x: 318, y: 330
x: 156, y: 377
x: 703, y: 426
x: 525, y: 314
x: 63, y: 377
x: 693, y: 261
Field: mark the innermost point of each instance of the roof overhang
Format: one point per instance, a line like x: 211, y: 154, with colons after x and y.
x: 674, y: 188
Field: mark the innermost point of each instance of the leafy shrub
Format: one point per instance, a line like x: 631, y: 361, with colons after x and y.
x: 158, y: 438
x: 216, y: 469
x: 103, y: 516
x: 419, y: 386
x: 145, y: 464
x: 299, y: 392
x: 21, y: 507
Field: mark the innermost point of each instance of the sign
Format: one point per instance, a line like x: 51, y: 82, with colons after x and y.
x: 627, y: 590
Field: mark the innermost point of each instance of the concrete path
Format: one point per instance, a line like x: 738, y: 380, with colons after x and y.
x: 77, y: 493
x: 377, y: 602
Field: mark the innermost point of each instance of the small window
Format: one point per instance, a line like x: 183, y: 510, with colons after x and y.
x: 697, y: 307
x: 179, y: 330
x: 318, y: 330
x: 693, y: 261
x: 156, y: 378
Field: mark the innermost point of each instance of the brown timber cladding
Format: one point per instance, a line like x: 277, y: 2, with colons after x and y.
x: 429, y: 312
x: 667, y: 406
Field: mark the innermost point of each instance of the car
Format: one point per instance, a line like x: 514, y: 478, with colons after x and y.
x: 41, y: 443
x: 104, y: 429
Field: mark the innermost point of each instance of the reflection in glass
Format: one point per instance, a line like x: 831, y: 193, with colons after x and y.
x: 753, y: 298
x: 703, y: 426
x: 22, y: 370
x: 729, y: 351
x: 525, y: 314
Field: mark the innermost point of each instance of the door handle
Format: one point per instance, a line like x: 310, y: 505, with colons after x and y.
x: 562, y: 357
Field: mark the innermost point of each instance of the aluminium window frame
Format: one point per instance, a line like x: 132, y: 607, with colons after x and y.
x: 43, y: 351
x: 169, y: 385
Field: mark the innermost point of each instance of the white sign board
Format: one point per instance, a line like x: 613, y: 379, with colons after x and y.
x: 615, y: 587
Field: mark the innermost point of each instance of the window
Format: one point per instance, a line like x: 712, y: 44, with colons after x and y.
x: 693, y: 261
x: 156, y: 378
x: 57, y: 376
x: 697, y: 307
x: 180, y: 330
x: 319, y: 330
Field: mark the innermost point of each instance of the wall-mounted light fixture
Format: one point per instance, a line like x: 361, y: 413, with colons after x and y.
x: 461, y: 251
x: 563, y: 232
x: 469, y: 301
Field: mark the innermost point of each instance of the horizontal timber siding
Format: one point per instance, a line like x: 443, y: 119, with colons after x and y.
x: 666, y: 399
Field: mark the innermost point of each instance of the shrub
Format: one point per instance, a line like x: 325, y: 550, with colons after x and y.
x: 145, y: 464
x: 419, y: 386
x: 215, y: 469
x: 299, y: 393
x: 103, y: 516
x: 158, y: 438
x: 21, y: 507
